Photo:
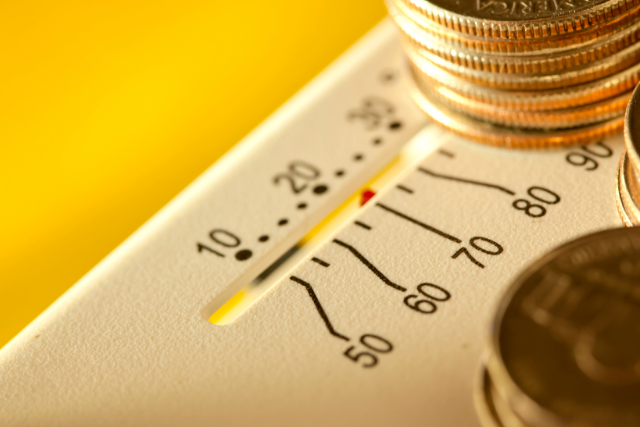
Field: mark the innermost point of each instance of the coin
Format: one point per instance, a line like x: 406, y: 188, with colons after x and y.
x: 503, y: 411
x: 499, y: 136
x: 628, y: 178
x: 520, y: 74
x: 597, y: 70
x: 538, y: 63
x: 401, y: 13
x: 632, y: 130
x: 566, y: 343
x: 516, y: 20
x: 555, y: 99
x: 483, y: 401
x: 625, y: 198
x: 557, y: 119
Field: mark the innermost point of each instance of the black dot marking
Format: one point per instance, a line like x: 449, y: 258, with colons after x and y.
x: 395, y: 125
x: 320, y: 189
x: 388, y: 76
x: 358, y: 157
x: 302, y: 205
x: 263, y: 238
x: 339, y: 172
x: 283, y: 221
x: 377, y: 141
x: 243, y: 254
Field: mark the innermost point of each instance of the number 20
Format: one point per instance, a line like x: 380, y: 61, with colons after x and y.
x: 298, y: 170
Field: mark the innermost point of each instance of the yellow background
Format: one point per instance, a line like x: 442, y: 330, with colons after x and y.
x: 109, y: 109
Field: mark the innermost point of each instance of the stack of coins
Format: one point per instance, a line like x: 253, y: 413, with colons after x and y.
x: 628, y: 180
x: 565, y: 349
x: 523, y: 74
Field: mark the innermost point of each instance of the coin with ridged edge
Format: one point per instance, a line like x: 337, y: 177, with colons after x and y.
x: 499, y: 136
x: 539, y: 63
x: 632, y: 130
x: 546, y: 100
x: 627, y: 193
x: 606, y: 67
x: 628, y: 178
x: 565, y: 349
x: 598, y: 112
x: 516, y: 20
x: 401, y: 13
x: 483, y: 401
x: 542, y: 74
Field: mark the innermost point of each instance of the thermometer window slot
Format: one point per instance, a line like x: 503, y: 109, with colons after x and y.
x: 241, y: 301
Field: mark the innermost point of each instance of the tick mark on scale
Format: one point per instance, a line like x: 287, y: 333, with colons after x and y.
x: 263, y: 238
x: 319, y: 261
x: 339, y: 173
x: 363, y: 225
x: 377, y: 141
x: 405, y: 189
x: 358, y: 157
x: 283, y: 221
x: 243, y: 255
x: 302, y: 206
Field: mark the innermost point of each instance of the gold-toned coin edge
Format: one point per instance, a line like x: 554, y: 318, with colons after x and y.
x: 631, y: 141
x: 554, y: 99
x: 481, y: 44
x: 522, y: 404
x: 595, y: 71
x: 538, y: 63
x: 504, y: 411
x: 483, y: 401
x: 488, y: 134
x: 523, y: 30
x: 547, y: 120
x: 629, y: 197
x: 618, y: 192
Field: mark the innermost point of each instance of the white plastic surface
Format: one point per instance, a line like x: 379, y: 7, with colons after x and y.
x: 130, y: 344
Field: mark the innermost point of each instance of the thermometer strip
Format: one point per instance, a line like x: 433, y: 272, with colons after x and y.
x: 427, y: 322
x: 383, y: 322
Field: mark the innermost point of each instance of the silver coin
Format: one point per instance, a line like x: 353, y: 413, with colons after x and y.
x: 566, y: 344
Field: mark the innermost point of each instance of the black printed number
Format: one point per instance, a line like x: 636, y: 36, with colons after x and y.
x: 532, y: 210
x: 430, y: 294
x: 542, y: 195
x: 221, y: 237
x: 375, y: 344
x: 298, y: 175
x: 588, y: 161
x: 372, y: 112
x: 481, y: 244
